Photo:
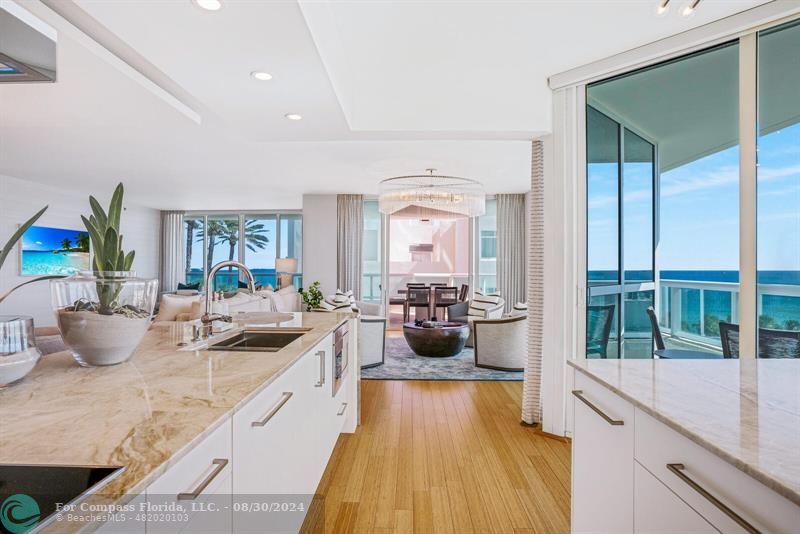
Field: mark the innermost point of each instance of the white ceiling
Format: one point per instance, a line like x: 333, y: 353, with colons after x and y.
x: 385, y: 88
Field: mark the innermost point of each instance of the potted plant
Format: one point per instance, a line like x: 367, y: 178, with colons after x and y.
x: 18, y: 352
x: 312, y: 297
x: 104, y: 313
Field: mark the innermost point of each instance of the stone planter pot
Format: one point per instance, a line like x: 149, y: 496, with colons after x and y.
x: 103, y: 315
x: 18, y: 351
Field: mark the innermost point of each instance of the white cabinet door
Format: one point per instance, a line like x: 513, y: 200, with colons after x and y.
x: 194, y: 495
x: 269, y: 437
x: 602, y: 460
x: 657, y: 510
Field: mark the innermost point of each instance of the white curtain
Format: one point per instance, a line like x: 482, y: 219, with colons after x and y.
x: 350, y: 220
x: 173, y: 250
x: 532, y: 385
x: 511, y: 245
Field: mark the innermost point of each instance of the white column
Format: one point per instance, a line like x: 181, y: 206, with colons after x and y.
x: 747, y: 196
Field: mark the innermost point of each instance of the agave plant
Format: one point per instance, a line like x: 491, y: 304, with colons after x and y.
x: 103, y: 228
x: 6, y: 250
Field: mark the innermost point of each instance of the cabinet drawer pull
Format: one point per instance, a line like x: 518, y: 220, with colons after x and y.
x: 677, y: 470
x: 342, y: 409
x: 220, y: 463
x: 272, y: 411
x: 579, y: 393
x: 321, y: 381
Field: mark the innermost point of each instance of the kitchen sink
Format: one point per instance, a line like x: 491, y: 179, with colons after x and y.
x: 257, y: 341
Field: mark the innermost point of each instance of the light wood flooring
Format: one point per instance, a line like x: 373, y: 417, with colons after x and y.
x: 443, y: 457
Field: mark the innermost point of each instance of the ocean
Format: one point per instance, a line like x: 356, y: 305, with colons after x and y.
x: 39, y: 263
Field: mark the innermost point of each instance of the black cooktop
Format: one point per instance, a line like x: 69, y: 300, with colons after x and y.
x: 29, y: 494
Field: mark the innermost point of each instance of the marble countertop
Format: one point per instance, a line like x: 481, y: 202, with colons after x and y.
x: 745, y: 411
x: 147, y: 413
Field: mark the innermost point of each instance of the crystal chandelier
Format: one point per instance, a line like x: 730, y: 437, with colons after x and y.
x: 428, y: 196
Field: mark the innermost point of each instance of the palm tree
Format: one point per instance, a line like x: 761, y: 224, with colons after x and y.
x: 66, y: 244
x: 227, y: 231
x: 83, y: 242
x: 191, y: 224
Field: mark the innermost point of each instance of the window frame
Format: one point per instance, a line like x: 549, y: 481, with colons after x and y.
x: 242, y: 217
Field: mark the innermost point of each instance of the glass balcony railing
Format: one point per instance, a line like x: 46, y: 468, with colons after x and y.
x: 690, y: 311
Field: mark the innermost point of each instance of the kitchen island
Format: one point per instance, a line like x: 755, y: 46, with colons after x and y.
x: 686, y: 445
x: 152, y: 413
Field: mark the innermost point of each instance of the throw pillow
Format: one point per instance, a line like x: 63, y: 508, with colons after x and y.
x: 520, y: 308
x: 195, y: 286
x: 481, y: 302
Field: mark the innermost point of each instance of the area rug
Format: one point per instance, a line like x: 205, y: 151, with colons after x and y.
x: 402, y: 364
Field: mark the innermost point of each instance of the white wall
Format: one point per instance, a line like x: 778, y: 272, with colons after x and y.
x: 20, y: 199
x: 319, y: 241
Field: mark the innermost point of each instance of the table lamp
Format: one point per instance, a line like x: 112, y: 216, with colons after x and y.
x: 285, y: 268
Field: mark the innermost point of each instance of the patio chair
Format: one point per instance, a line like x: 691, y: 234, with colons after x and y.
x: 598, y: 328
x: 771, y: 343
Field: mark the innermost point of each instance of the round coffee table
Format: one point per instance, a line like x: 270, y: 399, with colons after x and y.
x: 443, y: 340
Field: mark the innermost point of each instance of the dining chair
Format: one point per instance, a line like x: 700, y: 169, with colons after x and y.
x: 771, y: 343
x: 444, y: 297
x: 463, y: 292
x: 418, y: 298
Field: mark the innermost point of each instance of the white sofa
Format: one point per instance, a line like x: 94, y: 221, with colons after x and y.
x: 189, y: 308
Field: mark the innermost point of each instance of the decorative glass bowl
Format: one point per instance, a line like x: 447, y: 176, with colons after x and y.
x: 18, y: 351
x: 103, y: 315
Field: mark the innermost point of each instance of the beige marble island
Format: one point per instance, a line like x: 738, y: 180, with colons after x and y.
x: 148, y: 413
x: 702, y: 417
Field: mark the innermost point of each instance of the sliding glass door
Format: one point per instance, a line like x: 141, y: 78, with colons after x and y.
x: 778, y: 289
x: 256, y: 239
x: 663, y: 205
x: 620, y: 185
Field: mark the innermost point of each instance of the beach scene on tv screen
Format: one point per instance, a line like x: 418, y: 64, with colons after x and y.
x: 48, y: 250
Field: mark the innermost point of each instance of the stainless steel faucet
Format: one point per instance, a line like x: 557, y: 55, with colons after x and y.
x: 208, y: 318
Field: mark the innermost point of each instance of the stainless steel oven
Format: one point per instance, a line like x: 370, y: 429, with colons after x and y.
x: 341, y: 355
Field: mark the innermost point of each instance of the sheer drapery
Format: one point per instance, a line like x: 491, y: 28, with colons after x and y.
x: 350, y: 221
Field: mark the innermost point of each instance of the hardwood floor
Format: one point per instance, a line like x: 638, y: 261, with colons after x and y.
x: 443, y: 457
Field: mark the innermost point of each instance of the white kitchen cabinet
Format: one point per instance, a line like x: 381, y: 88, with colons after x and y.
x: 602, y: 460
x: 657, y: 510
x: 271, y: 434
x: 658, y: 446
x: 640, y: 475
x: 198, y: 481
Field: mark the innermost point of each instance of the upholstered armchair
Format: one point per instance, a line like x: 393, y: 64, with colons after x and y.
x: 459, y: 313
x: 371, y: 340
x: 501, y: 343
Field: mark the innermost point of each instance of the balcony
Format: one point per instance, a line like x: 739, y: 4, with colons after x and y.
x: 690, y: 311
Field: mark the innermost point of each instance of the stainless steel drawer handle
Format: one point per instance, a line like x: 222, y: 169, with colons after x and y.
x: 272, y: 411
x: 677, y: 470
x: 220, y: 463
x: 342, y: 409
x: 579, y: 393
x: 321, y: 381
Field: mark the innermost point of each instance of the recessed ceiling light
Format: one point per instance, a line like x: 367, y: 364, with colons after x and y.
x: 663, y: 7
x: 293, y: 116
x: 261, y: 75
x: 690, y: 7
x: 208, y: 5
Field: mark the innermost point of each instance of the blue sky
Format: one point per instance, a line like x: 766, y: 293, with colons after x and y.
x: 43, y: 238
x: 700, y: 211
